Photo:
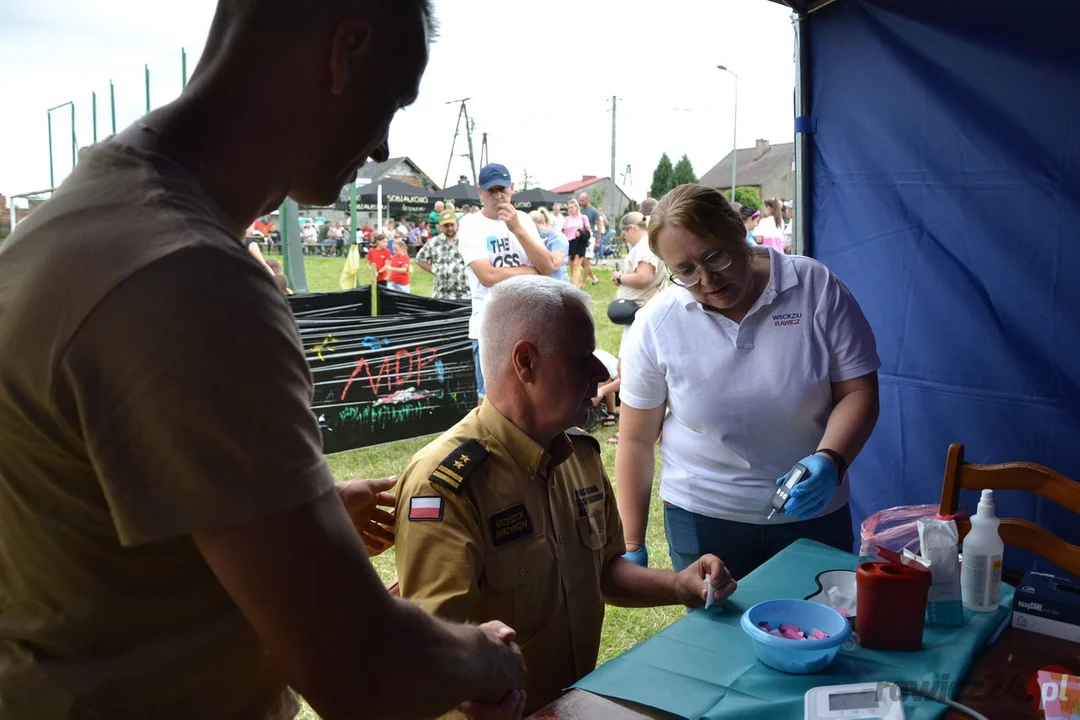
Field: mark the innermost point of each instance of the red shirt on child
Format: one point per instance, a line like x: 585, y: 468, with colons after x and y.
x: 378, y: 257
x: 400, y: 267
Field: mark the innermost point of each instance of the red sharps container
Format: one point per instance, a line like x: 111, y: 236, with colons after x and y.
x: 890, y: 605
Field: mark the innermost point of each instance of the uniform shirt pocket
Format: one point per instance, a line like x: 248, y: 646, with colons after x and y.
x: 520, y: 580
x: 593, y: 530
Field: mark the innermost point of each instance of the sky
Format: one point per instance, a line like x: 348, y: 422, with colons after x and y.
x: 539, y: 77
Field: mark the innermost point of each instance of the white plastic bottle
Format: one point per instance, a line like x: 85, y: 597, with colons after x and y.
x: 980, y: 574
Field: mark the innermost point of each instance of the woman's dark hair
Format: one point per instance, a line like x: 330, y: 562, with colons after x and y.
x: 702, y: 211
x: 777, y: 209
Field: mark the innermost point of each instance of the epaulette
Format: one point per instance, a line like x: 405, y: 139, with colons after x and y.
x: 577, y: 433
x: 456, y: 467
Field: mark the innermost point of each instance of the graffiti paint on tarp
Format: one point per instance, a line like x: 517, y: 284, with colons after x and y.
x: 387, y: 378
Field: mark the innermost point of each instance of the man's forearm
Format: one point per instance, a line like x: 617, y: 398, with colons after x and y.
x: 496, y: 275
x: 469, y: 666
x: 538, y: 255
x: 464, y: 667
x: 628, y: 585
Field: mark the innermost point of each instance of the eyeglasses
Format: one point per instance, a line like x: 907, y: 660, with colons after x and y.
x: 713, y: 262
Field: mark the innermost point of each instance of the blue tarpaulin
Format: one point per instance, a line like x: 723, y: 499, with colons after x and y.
x: 946, y: 194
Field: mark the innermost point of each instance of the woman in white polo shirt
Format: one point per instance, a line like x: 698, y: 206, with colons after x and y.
x: 754, y: 362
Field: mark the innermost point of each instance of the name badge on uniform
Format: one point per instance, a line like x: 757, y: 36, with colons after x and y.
x: 586, y: 497
x: 510, y: 524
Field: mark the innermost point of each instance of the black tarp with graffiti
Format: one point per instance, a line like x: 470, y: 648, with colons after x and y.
x: 386, y: 378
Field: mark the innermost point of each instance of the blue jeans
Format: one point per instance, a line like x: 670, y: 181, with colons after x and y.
x: 745, y: 546
x: 479, y: 372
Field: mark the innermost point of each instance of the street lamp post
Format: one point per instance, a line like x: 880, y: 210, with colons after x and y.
x: 48, y: 113
x: 734, y: 132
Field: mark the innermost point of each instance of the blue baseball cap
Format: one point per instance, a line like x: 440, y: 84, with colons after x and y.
x: 494, y: 175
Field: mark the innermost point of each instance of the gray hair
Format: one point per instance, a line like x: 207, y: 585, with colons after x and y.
x: 525, y: 307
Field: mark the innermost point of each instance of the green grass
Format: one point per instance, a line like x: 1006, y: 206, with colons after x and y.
x: 623, y: 627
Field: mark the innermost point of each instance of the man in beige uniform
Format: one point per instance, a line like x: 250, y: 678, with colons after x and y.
x: 171, y: 541
x: 508, y: 517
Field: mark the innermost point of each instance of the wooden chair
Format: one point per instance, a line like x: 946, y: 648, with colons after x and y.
x: 1015, y: 476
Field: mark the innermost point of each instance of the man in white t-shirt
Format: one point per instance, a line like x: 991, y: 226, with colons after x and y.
x: 497, y: 243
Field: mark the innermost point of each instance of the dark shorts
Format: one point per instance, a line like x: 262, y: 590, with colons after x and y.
x: 578, y: 248
x: 745, y: 546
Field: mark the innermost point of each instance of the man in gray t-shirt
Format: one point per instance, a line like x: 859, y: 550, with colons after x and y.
x: 590, y: 212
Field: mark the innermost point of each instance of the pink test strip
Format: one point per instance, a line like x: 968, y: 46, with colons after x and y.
x: 792, y: 634
x: 817, y: 634
x: 784, y: 627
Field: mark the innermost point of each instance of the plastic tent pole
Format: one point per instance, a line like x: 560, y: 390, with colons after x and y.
x: 801, y: 241
x: 375, y: 285
x: 291, y: 250
x: 353, y: 224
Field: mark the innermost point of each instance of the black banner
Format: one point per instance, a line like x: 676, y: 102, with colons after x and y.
x: 392, y: 302
x: 386, y: 378
x: 351, y: 304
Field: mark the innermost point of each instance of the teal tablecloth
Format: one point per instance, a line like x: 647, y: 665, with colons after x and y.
x: 703, y: 665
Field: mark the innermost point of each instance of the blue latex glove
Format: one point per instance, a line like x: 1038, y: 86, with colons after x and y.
x: 639, y: 556
x: 813, y: 494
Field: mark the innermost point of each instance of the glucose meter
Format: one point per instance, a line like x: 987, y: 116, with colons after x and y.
x: 862, y: 701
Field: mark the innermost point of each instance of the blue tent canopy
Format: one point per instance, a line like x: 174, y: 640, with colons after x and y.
x: 939, y: 155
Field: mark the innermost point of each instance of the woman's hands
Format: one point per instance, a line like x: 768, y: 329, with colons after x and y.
x: 813, y: 494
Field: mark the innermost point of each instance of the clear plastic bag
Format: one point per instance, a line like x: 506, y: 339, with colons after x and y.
x: 894, y: 529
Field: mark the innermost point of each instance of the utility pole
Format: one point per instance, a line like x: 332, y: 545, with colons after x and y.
x: 525, y: 179
x: 470, y: 126
x: 613, y: 100
x: 734, y: 131
x: 484, y: 159
x: 463, y: 113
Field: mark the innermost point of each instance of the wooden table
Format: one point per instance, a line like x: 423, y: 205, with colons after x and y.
x: 996, y: 685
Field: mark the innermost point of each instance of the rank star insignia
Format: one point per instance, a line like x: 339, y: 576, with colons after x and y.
x: 457, y: 466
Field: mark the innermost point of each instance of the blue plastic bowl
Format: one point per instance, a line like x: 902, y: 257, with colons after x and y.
x: 796, y: 656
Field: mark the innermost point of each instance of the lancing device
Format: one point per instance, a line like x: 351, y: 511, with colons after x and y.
x: 783, y: 493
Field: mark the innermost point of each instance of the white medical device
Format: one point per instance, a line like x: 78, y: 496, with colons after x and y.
x: 862, y: 701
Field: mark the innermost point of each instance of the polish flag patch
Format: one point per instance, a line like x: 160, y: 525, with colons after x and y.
x: 425, y: 508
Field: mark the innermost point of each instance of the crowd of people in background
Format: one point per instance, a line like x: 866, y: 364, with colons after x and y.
x: 576, y: 235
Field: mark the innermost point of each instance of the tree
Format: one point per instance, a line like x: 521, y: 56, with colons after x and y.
x: 596, y: 196
x: 748, y: 197
x: 663, y: 177
x: 683, y: 173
